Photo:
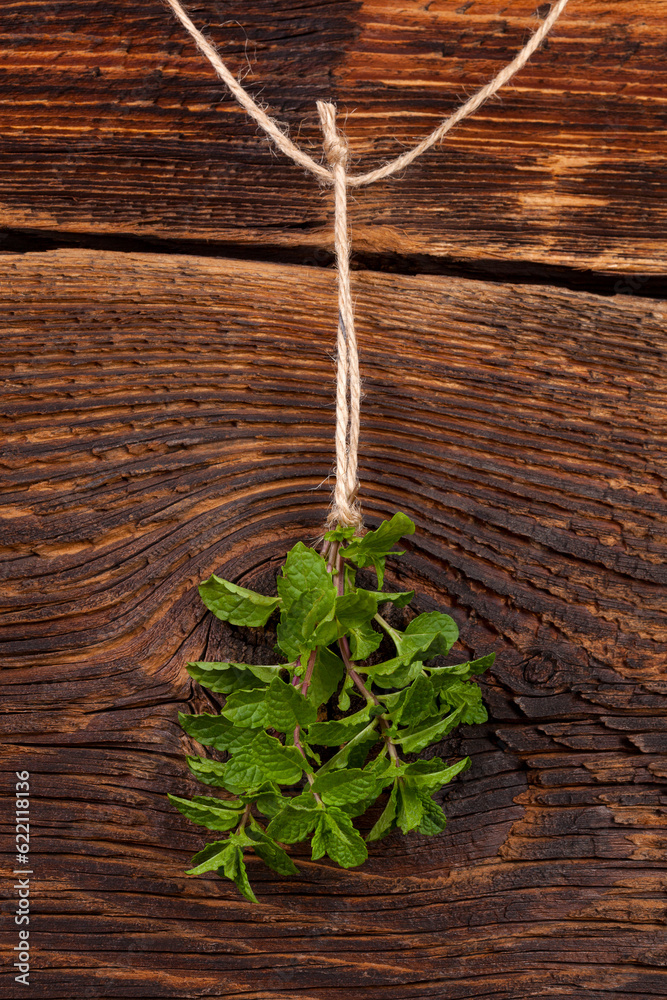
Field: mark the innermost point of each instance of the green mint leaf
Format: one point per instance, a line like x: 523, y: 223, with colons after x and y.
x: 243, y: 773
x: 441, y: 676
x: 235, y: 604
x: 433, y: 820
x: 304, y: 570
x: 467, y: 697
x: 290, y: 639
x: 358, y: 808
x: 286, y: 708
x: 240, y: 838
x: 269, y: 802
x: 318, y: 846
x: 280, y: 706
x: 413, y: 704
x: 481, y: 664
x: 242, y: 882
x: 356, y: 608
x: 410, y: 808
x: 387, y: 820
x: 210, y: 772
x: 375, y: 546
x: 344, y: 698
x: 337, y: 837
x: 234, y: 869
x: 381, y: 765
x: 308, y: 750
x: 352, y: 789
x: 308, y: 623
x: 400, y: 599
x: 442, y: 630
x: 279, y: 763
x: 338, y: 788
x: 230, y: 864
x: 465, y: 670
x: 327, y: 675
x: 430, y: 775
x: 263, y: 758
x: 427, y: 635
x: 213, y: 731
x: 212, y: 813
x: 364, y: 640
x: 235, y: 804
x: 430, y: 731
x: 294, y: 822
x: 341, y: 758
x: 359, y: 752
x: 271, y: 853
x: 247, y: 709
x: 343, y: 533
x: 318, y: 624
x: 395, y: 672
x: 225, y: 678
x: 212, y: 857
x: 350, y: 576
x: 331, y: 734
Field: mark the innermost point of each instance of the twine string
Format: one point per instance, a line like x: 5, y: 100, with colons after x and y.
x: 345, y: 507
x: 470, y: 106
x: 269, y: 125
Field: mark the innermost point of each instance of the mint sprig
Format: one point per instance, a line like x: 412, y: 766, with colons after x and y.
x: 292, y: 773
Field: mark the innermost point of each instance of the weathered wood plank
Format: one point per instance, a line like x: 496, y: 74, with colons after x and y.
x: 168, y: 416
x: 111, y: 122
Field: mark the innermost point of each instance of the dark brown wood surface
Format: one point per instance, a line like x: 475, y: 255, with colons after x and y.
x: 165, y: 416
x: 111, y: 123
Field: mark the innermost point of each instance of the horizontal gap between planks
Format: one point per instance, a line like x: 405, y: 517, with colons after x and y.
x: 652, y: 286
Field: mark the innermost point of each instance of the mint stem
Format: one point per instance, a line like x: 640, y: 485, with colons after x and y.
x: 333, y: 556
x: 297, y: 744
x: 369, y: 696
x: 297, y: 732
x: 339, y: 576
x: 391, y: 746
x: 344, y: 647
x: 309, y: 673
x: 385, y: 625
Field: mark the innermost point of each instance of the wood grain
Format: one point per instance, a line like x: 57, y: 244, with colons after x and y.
x: 168, y: 416
x: 112, y: 123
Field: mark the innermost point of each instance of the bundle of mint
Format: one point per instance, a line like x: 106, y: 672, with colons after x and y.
x: 292, y: 774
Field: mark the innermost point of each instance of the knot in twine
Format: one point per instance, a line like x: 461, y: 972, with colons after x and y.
x: 345, y: 509
x: 335, y: 144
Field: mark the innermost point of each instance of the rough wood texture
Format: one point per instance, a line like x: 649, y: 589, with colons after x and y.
x: 168, y: 416
x: 111, y: 122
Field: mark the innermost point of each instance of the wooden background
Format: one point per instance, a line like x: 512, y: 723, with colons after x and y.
x: 167, y: 318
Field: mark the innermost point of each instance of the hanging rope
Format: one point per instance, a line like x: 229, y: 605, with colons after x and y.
x: 345, y: 507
